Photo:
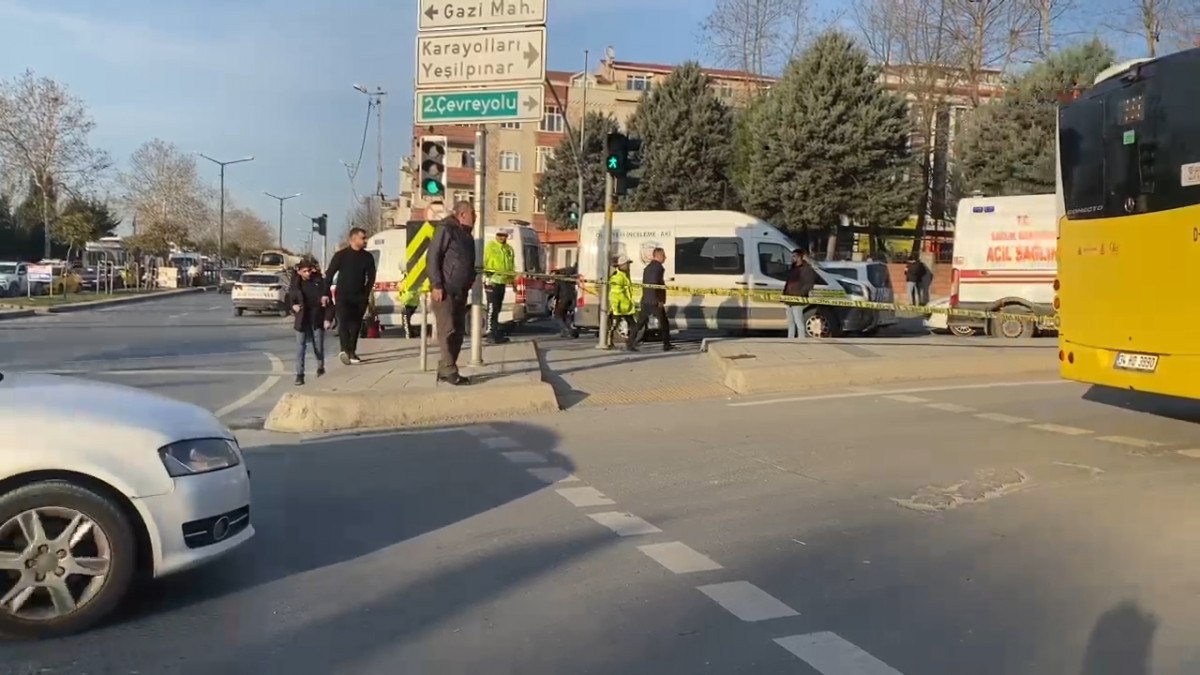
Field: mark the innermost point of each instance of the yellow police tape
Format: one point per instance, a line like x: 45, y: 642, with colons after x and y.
x: 820, y: 298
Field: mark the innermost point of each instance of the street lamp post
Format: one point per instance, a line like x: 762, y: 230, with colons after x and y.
x: 221, y: 229
x: 376, y: 99
x: 281, y: 201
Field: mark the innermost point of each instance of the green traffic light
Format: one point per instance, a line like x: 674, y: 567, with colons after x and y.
x: 613, y: 162
x: 432, y: 187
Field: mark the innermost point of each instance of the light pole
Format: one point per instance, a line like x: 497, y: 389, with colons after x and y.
x: 281, y: 201
x: 376, y: 99
x: 221, y: 229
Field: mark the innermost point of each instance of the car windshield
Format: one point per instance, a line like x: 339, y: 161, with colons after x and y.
x: 271, y: 259
x: 848, y: 272
x: 232, y: 274
x: 263, y: 279
x: 8, y: 268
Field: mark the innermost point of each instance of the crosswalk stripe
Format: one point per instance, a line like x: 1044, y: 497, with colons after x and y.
x: 624, y: 524
x: 747, y: 601
x: 679, y: 558
x: 829, y: 654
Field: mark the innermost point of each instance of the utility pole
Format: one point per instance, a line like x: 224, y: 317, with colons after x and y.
x: 281, y: 201
x: 221, y: 229
x: 480, y: 207
x: 375, y: 98
x: 580, y: 209
x: 606, y: 249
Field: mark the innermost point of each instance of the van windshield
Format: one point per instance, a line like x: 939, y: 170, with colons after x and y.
x: 8, y: 268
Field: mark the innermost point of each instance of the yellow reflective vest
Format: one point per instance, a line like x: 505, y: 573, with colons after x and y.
x: 620, y: 295
x: 500, y: 261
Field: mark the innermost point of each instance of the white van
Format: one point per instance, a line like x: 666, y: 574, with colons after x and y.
x: 876, y: 277
x: 1005, y: 259
x: 713, y: 249
x: 390, y: 250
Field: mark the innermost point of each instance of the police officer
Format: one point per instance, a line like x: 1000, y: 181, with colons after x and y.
x: 499, y: 263
x: 620, y: 296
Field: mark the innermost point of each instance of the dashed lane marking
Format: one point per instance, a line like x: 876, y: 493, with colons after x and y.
x: 747, y: 601
x: 481, y: 430
x: 524, y: 457
x: 585, y: 496
x: 1004, y: 419
x: 829, y: 654
x: 888, y: 392
x: 950, y: 407
x: 1133, y: 442
x: 553, y: 474
x: 905, y: 398
x: 276, y: 367
x: 1060, y: 429
x: 679, y: 558
x: 1193, y: 453
x: 624, y: 524
x: 500, y: 443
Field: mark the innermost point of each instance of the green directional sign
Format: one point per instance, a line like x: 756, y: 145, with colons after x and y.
x: 480, y: 106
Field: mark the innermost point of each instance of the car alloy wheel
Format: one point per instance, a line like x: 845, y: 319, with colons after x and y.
x: 817, y: 325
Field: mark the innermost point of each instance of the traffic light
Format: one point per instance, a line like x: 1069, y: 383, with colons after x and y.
x: 320, y: 224
x: 629, y: 181
x: 616, y: 161
x: 433, y: 167
x: 573, y: 216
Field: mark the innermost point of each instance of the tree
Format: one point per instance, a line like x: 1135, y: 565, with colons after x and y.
x: 164, y: 191
x: 247, y: 235
x: 687, y: 145
x: 833, y: 142
x: 1051, y: 14
x: 1175, y: 22
x: 365, y: 214
x: 44, y: 135
x: 559, y: 186
x: 755, y: 36
x: 84, y: 220
x: 745, y: 143
x: 1007, y: 148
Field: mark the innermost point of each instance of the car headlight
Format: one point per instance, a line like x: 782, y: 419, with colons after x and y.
x: 202, y: 455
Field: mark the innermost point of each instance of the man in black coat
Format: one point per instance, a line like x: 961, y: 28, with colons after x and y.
x: 313, y: 312
x: 354, y: 267
x: 654, y: 302
x: 450, y: 262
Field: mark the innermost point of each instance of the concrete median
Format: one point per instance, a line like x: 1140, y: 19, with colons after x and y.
x: 390, y: 391
x: 122, y: 300
x: 773, y: 366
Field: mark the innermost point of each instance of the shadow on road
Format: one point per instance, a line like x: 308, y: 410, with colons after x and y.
x: 1185, y: 410
x: 1120, y: 643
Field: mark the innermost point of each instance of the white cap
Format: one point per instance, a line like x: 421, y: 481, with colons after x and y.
x: 622, y: 260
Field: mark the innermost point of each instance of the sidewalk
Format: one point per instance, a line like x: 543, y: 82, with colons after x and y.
x: 756, y: 366
x: 389, y: 390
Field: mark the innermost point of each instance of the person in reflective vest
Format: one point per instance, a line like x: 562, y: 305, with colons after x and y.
x: 410, y: 299
x: 620, y: 296
x: 499, y: 263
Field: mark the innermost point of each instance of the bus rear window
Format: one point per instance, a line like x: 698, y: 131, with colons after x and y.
x: 1081, y: 150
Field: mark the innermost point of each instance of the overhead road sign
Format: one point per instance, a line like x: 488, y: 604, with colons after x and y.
x: 481, y: 58
x: 441, y: 14
x: 480, y: 106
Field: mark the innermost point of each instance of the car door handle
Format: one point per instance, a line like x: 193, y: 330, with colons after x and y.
x: 761, y: 283
x: 741, y: 283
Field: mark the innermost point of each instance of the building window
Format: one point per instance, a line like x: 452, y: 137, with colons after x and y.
x: 464, y: 196
x: 507, y: 202
x: 468, y: 159
x: 510, y: 125
x: 510, y: 161
x: 552, y: 120
x: 543, y: 158
x: 724, y: 90
x: 709, y: 255
x: 538, y: 205
x: 639, y: 82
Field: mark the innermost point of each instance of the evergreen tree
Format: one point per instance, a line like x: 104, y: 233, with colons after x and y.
x: 687, y: 145
x: 832, y: 142
x: 1007, y: 147
x: 12, y: 239
x: 559, y: 186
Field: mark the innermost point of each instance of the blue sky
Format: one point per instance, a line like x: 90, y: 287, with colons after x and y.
x: 272, y: 78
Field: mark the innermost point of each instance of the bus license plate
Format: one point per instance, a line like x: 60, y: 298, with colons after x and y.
x: 1145, y: 363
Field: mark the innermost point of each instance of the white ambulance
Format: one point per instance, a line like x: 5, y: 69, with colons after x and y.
x: 1005, y: 259
x: 524, y: 300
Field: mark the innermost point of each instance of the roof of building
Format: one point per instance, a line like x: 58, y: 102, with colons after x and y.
x: 711, y: 72
x: 563, y: 76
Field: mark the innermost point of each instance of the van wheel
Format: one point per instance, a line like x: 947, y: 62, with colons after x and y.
x: 238, y: 311
x: 819, y: 323
x: 1013, y: 328
x: 962, y: 331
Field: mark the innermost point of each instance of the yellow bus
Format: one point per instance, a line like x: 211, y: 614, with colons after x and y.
x: 1129, y: 228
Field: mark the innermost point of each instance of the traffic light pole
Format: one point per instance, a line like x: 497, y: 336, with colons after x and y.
x: 480, y: 209
x: 606, y: 251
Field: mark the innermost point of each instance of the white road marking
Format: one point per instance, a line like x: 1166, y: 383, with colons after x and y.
x: 584, y: 496
x: 337, y: 438
x: 552, y: 474
x: 1060, y: 429
x: 1125, y: 440
x: 499, y: 443
x: 829, y: 654
x: 886, y: 392
x: 747, y: 601
x: 679, y: 558
x: 1193, y: 453
x: 178, y: 316
x: 950, y: 407
x: 1006, y: 419
x: 276, y: 367
x: 167, y: 356
x: 159, y: 371
x: 905, y: 398
x: 624, y: 524
x: 523, y: 457
x: 215, y: 308
x: 481, y: 430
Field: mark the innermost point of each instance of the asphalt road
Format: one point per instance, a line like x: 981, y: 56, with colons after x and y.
x: 939, y: 528
x: 189, y: 347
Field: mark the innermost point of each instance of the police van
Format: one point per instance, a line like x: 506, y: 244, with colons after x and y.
x: 720, y: 250
x: 1005, y: 259
x: 393, y: 248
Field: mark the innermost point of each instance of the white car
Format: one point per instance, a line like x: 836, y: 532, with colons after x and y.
x: 14, y: 279
x: 101, y: 483
x: 260, y: 292
x: 938, y: 322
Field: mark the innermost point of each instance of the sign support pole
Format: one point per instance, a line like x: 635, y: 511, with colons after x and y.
x: 480, y: 208
x: 424, y: 332
x: 606, y: 264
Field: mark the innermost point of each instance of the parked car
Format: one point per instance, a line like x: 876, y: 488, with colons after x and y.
x: 229, y: 277
x: 136, y: 484
x: 261, y: 292
x: 14, y: 279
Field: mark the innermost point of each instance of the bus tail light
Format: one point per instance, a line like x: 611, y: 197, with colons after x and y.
x: 1056, y: 303
x: 1070, y: 357
x: 1056, y: 285
x: 1060, y: 355
x: 954, y: 287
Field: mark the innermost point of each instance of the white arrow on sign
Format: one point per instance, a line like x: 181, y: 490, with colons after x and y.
x: 443, y: 14
x: 481, y: 58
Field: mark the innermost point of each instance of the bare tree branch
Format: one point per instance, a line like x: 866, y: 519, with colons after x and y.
x: 163, y: 189
x: 756, y: 36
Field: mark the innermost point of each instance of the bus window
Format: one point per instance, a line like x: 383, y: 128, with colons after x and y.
x: 1081, y: 148
x: 1178, y: 144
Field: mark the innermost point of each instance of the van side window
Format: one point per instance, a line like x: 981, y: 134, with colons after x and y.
x: 774, y: 260
x: 533, y: 259
x: 709, y: 255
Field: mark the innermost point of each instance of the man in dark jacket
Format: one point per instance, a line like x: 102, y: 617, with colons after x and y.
x: 915, y: 274
x: 451, y: 266
x: 313, y: 312
x: 354, y: 267
x: 801, y: 280
x: 565, y: 296
x: 654, y: 302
